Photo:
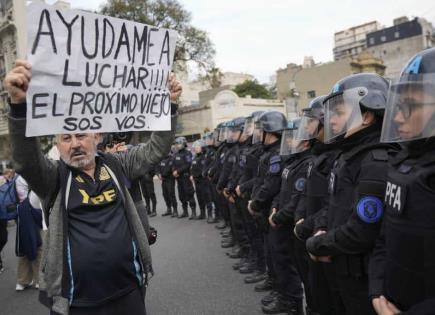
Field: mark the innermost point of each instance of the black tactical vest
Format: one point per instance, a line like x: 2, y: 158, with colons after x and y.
x: 410, y: 231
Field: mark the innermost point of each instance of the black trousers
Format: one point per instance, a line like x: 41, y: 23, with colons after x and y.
x: 148, y: 191
x: 281, y: 248
x: 186, y: 191
x: 301, y: 262
x: 168, y: 188
x: 353, y: 295
x: 203, y: 193
x: 131, y: 304
x: 3, y: 233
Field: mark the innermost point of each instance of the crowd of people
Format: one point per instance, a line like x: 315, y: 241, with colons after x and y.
x: 332, y: 207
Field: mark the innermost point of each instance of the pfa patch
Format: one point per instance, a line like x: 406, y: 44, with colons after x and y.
x: 300, y: 184
x: 178, y: 158
x: 370, y: 209
x: 275, y: 168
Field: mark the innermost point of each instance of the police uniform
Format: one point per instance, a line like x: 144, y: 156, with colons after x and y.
x: 357, y: 186
x: 201, y: 184
x: 168, y: 185
x: 210, y: 157
x: 321, y: 289
x: 147, y: 184
x: 403, y: 264
x: 267, y: 185
x: 181, y: 164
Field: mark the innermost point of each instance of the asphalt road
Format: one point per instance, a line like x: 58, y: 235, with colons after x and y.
x: 192, y: 274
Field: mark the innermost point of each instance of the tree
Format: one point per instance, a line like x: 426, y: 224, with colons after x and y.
x: 253, y: 88
x: 193, y: 45
x: 214, y: 77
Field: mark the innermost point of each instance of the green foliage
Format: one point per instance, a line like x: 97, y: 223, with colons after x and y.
x: 253, y: 88
x: 193, y: 44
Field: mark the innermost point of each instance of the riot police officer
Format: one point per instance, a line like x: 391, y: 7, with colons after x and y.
x: 402, y: 269
x: 354, y: 109
x: 267, y: 184
x: 201, y: 188
x: 164, y: 171
x: 295, y: 155
x: 211, y: 141
x: 181, y: 171
x: 320, y: 289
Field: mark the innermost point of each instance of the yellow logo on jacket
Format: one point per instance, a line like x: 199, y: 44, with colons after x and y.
x: 104, y: 174
x: 107, y: 196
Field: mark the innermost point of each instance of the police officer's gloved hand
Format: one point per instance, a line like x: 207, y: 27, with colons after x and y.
x: 152, y: 238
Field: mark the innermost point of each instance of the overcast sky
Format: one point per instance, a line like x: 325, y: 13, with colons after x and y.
x: 260, y: 36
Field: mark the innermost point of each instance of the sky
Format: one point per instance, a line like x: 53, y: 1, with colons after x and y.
x: 260, y: 36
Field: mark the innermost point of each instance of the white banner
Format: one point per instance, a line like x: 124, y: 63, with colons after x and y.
x: 93, y: 73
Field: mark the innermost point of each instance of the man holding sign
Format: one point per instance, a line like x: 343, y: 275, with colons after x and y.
x: 96, y: 257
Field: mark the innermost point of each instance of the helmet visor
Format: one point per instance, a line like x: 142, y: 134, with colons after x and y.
x: 410, y: 112
x: 248, y: 129
x: 308, y: 127
x: 222, y: 134
x: 287, y: 142
x: 257, y: 135
x: 233, y: 135
x: 343, y: 113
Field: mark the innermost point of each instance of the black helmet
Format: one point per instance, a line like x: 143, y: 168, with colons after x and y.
x: 181, y: 140
x: 414, y: 89
x: 316, y: 109
x: 371, y: 89
x: 273, y: 122
x: 237, y: 123
x: 349, y: 99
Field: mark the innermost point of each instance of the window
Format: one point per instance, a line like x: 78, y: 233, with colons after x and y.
x: 311, y: 94
x: 383, y: 38
x: 396, y: 34
x: 372, y: 40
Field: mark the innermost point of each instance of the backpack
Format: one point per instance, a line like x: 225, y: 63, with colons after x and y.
x: 8, y: 200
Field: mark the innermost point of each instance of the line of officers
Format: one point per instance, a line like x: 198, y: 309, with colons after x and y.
x: 337, y: 206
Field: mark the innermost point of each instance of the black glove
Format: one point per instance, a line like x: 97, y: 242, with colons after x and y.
x: 152, y: 238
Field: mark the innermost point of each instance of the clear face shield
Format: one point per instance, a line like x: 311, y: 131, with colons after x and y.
x: 257, y: 135
x: 248, y: 129
x: 216, y: 137
x: 410, y: 112
x: 209, y: 139
x: 233, y: 135
x: 287, y: 142
x: 222, y: 134
x: 308, y: 127
x: 343, y: 113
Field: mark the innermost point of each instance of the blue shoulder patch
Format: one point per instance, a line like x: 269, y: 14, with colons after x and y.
x: 275, y: 168
x: 370, y: 209
x: 300, y: 184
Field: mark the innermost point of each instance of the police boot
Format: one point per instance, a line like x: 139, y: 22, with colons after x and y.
x: 272, y: 296
x: 266, y: 285
x: 168, y: 212
x: 221, y: 225
x: 193, y: 215
x: 175, y: 213
x: 282, y: 305
x: 201, y: 215
x: 185, y: 214
x: 258, y: 276
x: 240, y: 263
x: 308, y: 311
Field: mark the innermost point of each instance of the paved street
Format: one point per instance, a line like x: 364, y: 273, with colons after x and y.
x: 193, y: 274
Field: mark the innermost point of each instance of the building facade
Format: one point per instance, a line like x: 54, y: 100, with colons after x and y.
x: 219, y: 105
x: 395, y: 45
x: 351, y: 42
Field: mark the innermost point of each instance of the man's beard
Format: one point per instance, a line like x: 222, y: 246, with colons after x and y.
x: 81, y: 163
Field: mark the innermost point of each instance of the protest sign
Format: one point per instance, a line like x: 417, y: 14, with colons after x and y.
x: 92, y: 73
